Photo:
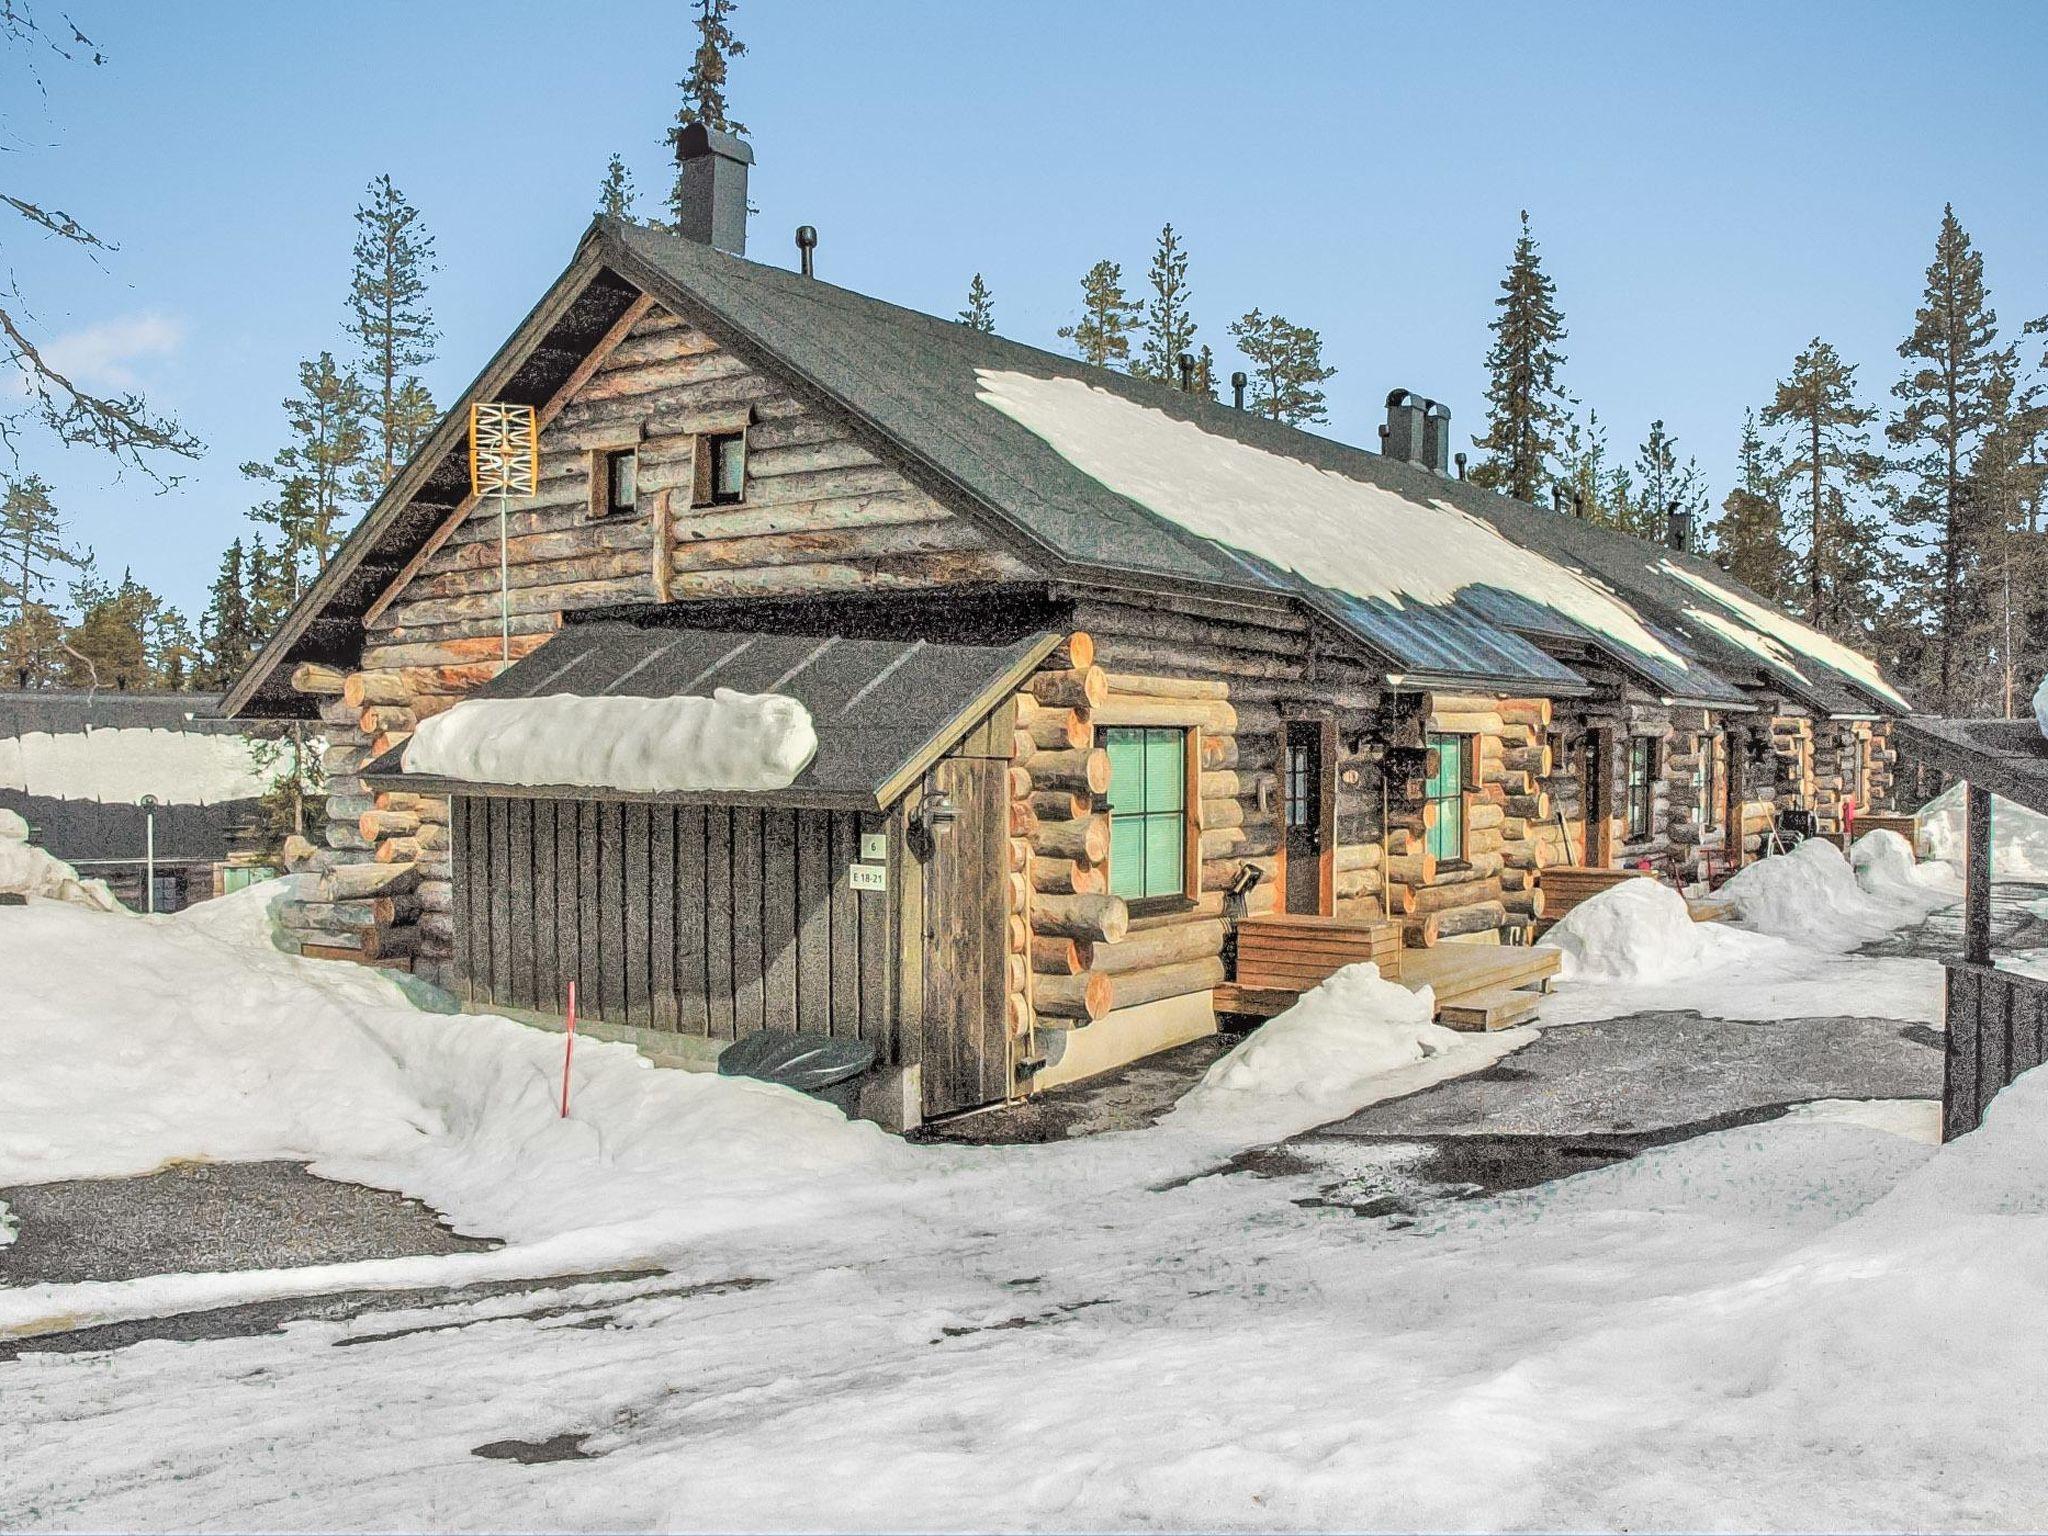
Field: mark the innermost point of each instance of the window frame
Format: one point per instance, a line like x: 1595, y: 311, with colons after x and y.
x: 614, y: 457
x: 1640, y: 798
x: 1713, y: 794
x: 704, y: 489
x: 598, y: 461
x: 1434, y: 741
x: 1182, y: 897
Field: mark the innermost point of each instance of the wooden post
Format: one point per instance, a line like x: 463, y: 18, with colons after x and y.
x: 1977, y: 877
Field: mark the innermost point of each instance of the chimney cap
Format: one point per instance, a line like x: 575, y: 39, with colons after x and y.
x: 695, y: 140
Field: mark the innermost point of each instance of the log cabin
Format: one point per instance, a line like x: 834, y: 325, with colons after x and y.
x: 1104, y: 674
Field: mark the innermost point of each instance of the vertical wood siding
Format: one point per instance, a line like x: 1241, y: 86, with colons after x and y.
x: 1997, y: 1029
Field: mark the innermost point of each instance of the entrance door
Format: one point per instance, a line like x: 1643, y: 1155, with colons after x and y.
x: 1308, y: 834
x: 966, y: 1038
x: 1595, y: 840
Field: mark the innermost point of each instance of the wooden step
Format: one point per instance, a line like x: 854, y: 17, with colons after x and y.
x: 1500, y: 1008
x: 1254, y: 1002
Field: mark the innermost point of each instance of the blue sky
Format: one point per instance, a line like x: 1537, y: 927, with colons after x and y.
x: 1712, y: 185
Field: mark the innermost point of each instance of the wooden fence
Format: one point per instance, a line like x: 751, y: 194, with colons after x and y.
x: 1997, y: 1029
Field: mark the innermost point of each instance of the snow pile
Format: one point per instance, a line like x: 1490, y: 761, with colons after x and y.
x: 121, y: 764
x: 1641, y: 931
x: 26, y: 870
x: 2041, y: 706
x: 1345, y: 534
x: 732, y: 741
x: 1814, y: 896
x: 2019, y: 837
x: 1344, y: 1045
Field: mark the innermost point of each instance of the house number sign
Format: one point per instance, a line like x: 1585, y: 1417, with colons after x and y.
x: 868, y: 877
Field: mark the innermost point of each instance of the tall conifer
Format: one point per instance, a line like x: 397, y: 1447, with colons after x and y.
x: 703, y: 87
x: 1825, y: 435
x: 390, y: 321
x: 1526, y: 406
x: 1102, y: 335
x: 1169, y: 330
x: 615, y: 192
x: 1287, y: 367
x: 1748, y: 539
x: 320, y: 473
x: 980, y: 313
x: 227, y: 639
x: 32, y: 545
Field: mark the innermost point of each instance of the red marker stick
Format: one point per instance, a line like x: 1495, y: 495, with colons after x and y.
x: 568, y: 1050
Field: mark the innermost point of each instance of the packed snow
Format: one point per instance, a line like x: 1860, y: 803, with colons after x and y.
x: 26, y: 870
x: 1641, y: 931
x: 121, y: 764
x: 2019, y: 837
x: 1344, y: 534
x: 2041, y: 706
x: 1817, y: 896
x: 1349, y: 1042
x: 1816, y: 1322
x: 1772, y: 633
x: 732, y: 741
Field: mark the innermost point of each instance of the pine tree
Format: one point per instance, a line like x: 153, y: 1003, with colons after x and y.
x: 1748, y: 539
x: 1287, y: 366
x: 31, y: 647
x: 1102, y: 335
x: 615, y: 192
x: 173, y: 652
x: 1665, y: 487
x: 109, y: 646
x: 320, y: 473
x: 980, y: 313
x: 1169, y: 330
x: 1825, y: 437
x: 1526, y: 407
x: 1205, y: 372
x: 704, y: 87
x: 31, y: 545
x: 228, y: 640
x: 2009, y: 621
x: 1945, y: 409
x: 1582, y: 469
x: 389, y: 318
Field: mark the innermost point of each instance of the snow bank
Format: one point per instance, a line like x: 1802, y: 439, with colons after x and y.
x: 124, y: 763
x: 1345, y: 534
x: 2019, y: 837
x: 730, y: 741
x: 1813, y: 894
x: 1641, y: 931
x: 2041, y: 706
x: 26, y: 870
x: 1344, y: 1045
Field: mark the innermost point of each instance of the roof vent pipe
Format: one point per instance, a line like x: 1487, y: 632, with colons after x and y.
x: 1187, y: 373
x: 1557, y: 498
x: 806, y: 243
x: 1436, y: 438
x: 1237, y: 384
x: 1401, y: 438
x: 1459, y: 456
x: 1678, y: 529
x: 1579, y: 504
x: 711, y: 189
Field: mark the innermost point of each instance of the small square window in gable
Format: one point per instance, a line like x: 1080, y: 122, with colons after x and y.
x: 614, y: 480
x: 721, y: 479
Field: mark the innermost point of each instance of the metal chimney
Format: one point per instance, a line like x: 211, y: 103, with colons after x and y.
x: 1436, y: 437
x: 1187, y: 372
x: 713, y: 188
x: 1403, y: 437
x: 1678, y: 529
x: 806, y: 245
x: 1237, y: 383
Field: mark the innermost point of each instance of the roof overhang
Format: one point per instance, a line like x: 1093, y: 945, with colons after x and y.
x: 2007, y: 757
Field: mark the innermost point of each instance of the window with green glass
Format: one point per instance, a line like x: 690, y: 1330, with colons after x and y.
x: 1447, y: 794
x: 1148, y: 819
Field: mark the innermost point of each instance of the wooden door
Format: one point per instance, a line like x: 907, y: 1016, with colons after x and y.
x: 1307, y: 793
x: 966, y: 1040
x: 1597, y: 838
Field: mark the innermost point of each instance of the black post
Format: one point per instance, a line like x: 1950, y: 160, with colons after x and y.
x: 1977, y: 877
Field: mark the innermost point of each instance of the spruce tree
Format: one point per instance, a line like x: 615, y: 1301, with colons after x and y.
x: 109, y: 646
x: 1945, y: 408
x: 31, y: 647
x: 2009, y: 622
x: 1825, y: 437
x: 32, y: 545
x: 1582, y: 469
x: 389, y: 319
x: 1102, y: 335
x: 704, y: 87
x: 1748, y: 539
x: 980, y: 313
x: 615, y: 192
x: 1526, y: 407
x: 1169, y: 330
x: 227, y: 638
x: 320, y: 473
x: 1205, y: 372
x: 1286, y: 367
x: 1665, y: 486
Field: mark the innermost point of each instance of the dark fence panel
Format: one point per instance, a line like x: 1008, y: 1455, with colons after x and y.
x: 1997, y: 1029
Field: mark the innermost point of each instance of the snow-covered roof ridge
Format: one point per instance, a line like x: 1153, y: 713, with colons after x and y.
x: 1777, y: 637
x: 731, y: 742
x: 1341, y: 533
x: 120, y: 764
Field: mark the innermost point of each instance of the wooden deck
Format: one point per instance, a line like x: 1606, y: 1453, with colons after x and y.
x: 1477, y: 986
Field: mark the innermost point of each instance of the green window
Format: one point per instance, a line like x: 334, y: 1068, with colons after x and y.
x: 1447, y: 794
x: 1148, y: 821
x: 1642, y: 775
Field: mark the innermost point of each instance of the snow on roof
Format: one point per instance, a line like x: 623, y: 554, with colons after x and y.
x: 1776, y: 636
x: 731, y: 742
x: 1343, y: 534
x: 123, y: 763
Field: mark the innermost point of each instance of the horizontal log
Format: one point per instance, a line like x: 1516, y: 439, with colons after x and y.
x: 1144, y: 685
x: 352, y: 881
x: 1054, y: 955
x: 364, y: 689
x: 1085, y: 841
x: 1060, y: 730
x: 437, y: 896
x: 1061, y: 805
x: 312, y: 677
x: 1076, y: 653
x: 388, y: 823
x: 1155, y: 947
x: 1066, y: 878
x: 1101, y: 918
x: 398, y: 850
x: 1082, y: 772
x: 1475, y: 919
x: 1133, y: 988
x: 1441, y: 898
x: 1086, y: 997
x: 1074, y: 688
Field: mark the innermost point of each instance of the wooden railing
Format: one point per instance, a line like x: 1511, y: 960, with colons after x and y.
x: 1997, y: 1029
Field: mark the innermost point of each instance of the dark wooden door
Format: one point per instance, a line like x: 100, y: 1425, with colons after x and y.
x: 1307, y: 798
x: 1596, y: 839
x: 966, y: 1042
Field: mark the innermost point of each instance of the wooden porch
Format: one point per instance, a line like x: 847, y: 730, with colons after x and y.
x: 1477, y: 986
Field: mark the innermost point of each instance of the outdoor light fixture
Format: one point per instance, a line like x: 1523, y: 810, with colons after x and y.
x: 148, y: 804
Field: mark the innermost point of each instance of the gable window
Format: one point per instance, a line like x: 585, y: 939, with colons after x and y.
x: 621, y: 476
x: 721, y: 469
x: 1642, y: 775
x: 1447, y: 795
x: 1148, y: 815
